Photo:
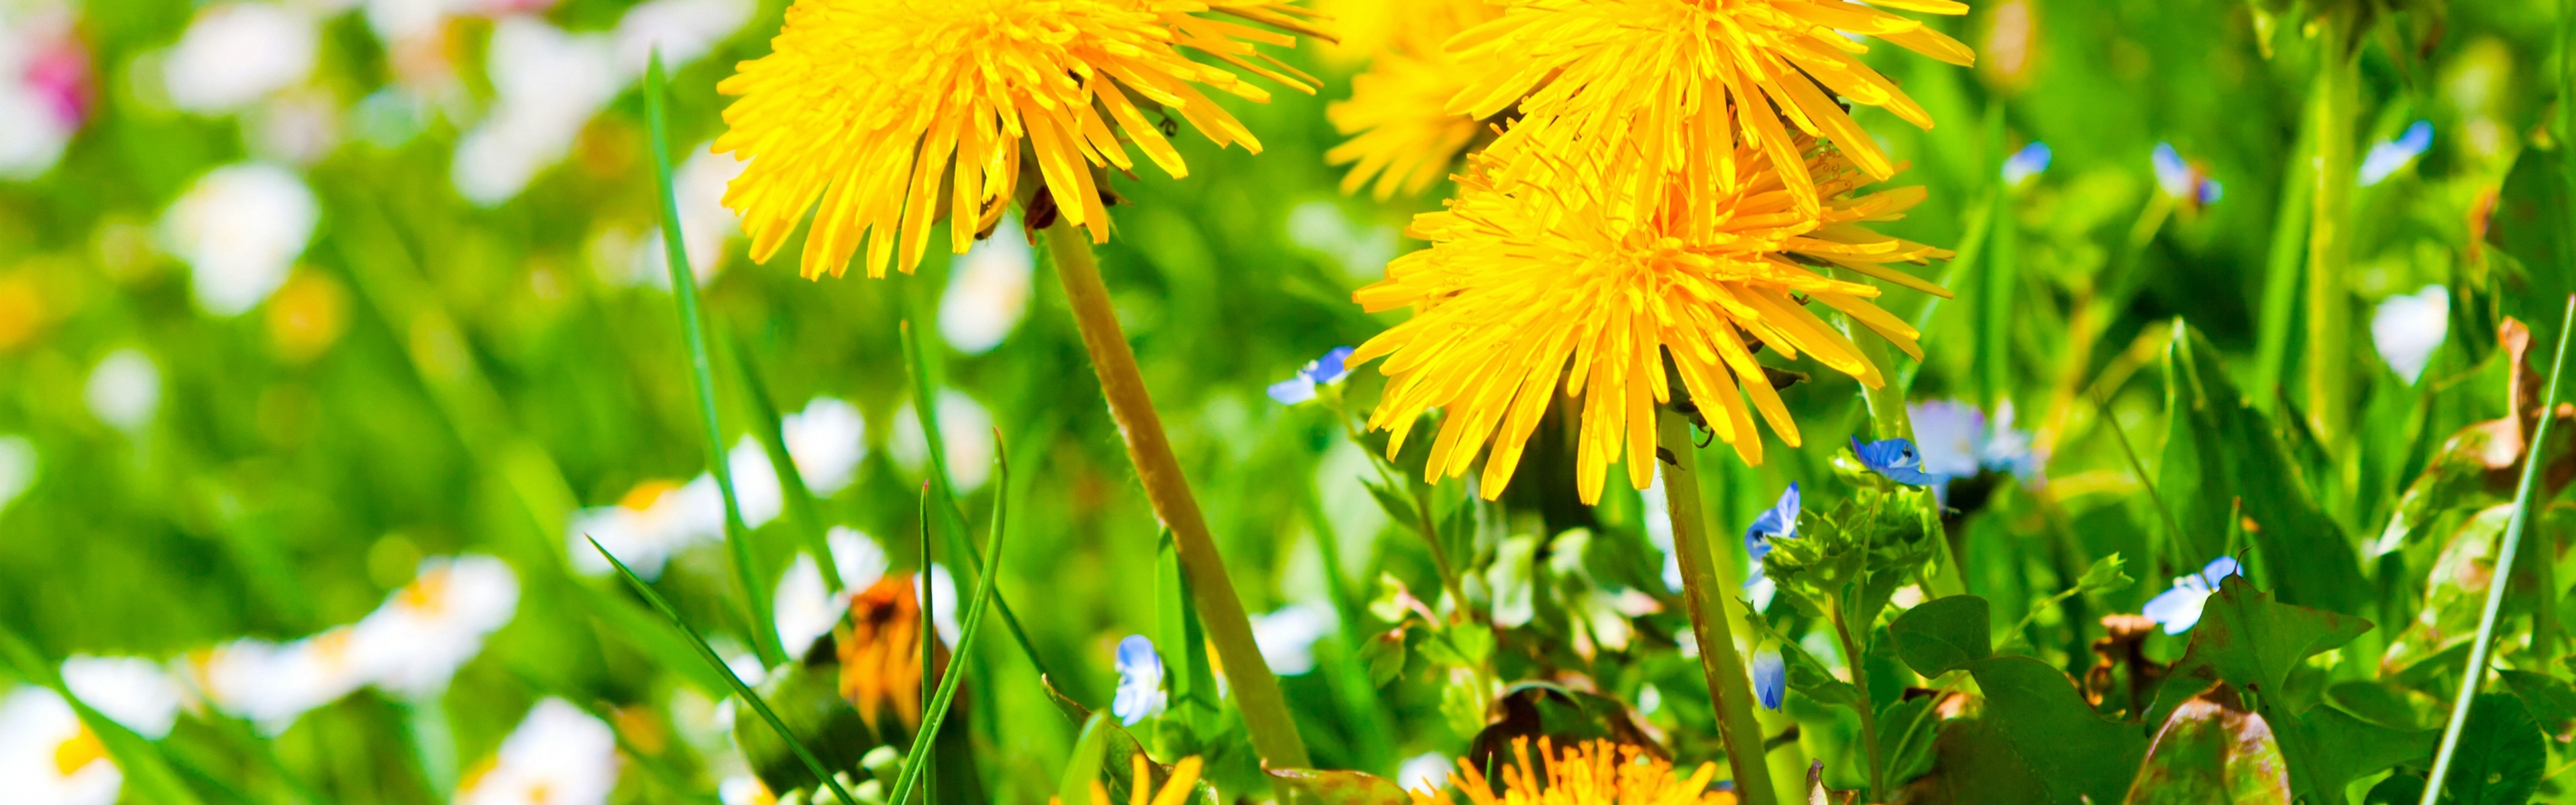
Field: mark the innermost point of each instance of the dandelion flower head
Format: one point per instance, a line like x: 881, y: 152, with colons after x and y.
x: 1648, y: 91
x: 1588, y: 773
x: 894, y: 113
x: 1522, y: 290
x: 1403, y: 137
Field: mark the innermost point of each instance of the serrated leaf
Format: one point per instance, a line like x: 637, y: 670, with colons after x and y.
x: 2218, y: 451
x: 2551, y: 701
x: 2107, y: 574
x: 2040, y: 715
x: 1944, y: 633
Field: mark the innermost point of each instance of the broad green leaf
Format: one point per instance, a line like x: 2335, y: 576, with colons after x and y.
x: 2254, y: 642
x: 2455, y: 591
x: 1907, y: 730
x: 1943, y: 633
x: 2551, y: 701
x: 2529, y: 226
x: 2213, y: 751
x: 1182, y: 642
x: 2383, y: 703
x: 1342, y: 787
x: 2217, y: 452
x: 2502, y: 754
x: 2258, y: 645
x: 2043, y: 720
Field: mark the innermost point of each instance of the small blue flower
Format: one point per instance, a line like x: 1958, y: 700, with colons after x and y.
x: 1324, y: 371
x: 2182, y: 181
x: 1778, y: 522
x: 2389, y: 155
x: 2031, y: 160
x: 2178, y: 609
x: 1140, y: 681
x: 1896, y: 459
x: 1770, y: 678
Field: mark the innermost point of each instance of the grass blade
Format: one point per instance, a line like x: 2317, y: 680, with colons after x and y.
x: 693, y: 324
x: 917, y: 758
x: 2476, y: 672
x: 708, y: 653
x: 925, y: 409
x: 773, y: 440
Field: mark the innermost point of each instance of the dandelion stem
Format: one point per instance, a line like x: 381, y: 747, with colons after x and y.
x: 1712, y: 613
x: 1256, y: 691
x: 2475, y: 675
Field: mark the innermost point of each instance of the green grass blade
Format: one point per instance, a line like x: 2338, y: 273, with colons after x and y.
x: 801, y: 508
x: 917, y: 759
x: 708, y: 653
x: 2476, y: 673
x: 2281, y: 273
x: 693, y: 324
x: 925, y: 409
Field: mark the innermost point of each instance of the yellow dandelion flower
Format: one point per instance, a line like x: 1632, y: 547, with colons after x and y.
x: 1589, y: 773
x: 1646, y: 91
x: 1175, y: 790
x: 1402, y: 134
x: 893, y: 113
x: 1520, y: 287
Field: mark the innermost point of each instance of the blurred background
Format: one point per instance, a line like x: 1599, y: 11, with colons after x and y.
x: 327, y: 327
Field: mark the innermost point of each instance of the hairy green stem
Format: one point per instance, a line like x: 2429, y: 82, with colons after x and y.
x: 1710, y: 614
x: 1256, y: 691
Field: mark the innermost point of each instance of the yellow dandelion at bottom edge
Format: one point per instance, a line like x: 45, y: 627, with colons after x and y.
x: 1175, y: 791
x: 883, y: 116
x: 1588, y: 773
x: 1525, y: 290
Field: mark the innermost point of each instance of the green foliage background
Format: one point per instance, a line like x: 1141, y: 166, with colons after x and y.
x: 488, y: 383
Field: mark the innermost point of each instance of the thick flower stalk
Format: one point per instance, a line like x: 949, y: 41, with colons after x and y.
x: 1403, y: 138
x: 1523, y: 290
x: 1637, y: 96
x: 894, y: 114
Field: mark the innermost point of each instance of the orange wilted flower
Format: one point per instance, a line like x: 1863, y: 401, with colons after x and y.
x: 879, y: 646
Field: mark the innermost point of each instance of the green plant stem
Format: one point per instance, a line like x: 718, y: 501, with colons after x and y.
x: 1888, y: 420
x: 2329, y: 308
x: 1853, y: 659
x: 2474, y: 676
x: 1256, y: 690
x: 1711, y: 618
x: 693, y: 326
